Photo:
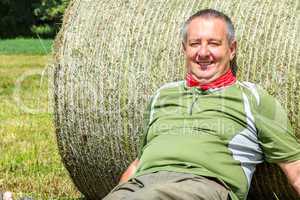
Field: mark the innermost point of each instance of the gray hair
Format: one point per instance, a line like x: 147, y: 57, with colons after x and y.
x: 209, y: 13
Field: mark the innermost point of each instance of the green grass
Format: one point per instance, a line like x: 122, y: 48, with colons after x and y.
x: 26, y: 46
x: 29, y: 163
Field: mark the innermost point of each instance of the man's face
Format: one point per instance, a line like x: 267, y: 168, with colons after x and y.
x: 207, y: 49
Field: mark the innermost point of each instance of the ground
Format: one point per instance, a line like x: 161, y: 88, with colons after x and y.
x: 29, y: 163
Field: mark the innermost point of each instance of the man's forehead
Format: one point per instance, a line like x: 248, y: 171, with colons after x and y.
x: 213, y: 21
x: 209, y: 25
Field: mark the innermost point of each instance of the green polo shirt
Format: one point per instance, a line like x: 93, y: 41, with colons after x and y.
x: 222, y: 133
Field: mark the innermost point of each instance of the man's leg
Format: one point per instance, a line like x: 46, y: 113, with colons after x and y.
x: 169, y: 186
x: 183, y: 187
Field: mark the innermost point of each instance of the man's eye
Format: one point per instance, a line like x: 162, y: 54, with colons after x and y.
x: 194, y: 44
x: 214, y: 43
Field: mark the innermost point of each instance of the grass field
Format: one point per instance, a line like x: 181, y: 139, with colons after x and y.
x: 29, y: 162
x: 25, y: 46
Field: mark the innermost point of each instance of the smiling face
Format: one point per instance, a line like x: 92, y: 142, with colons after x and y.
x: 207, y: 49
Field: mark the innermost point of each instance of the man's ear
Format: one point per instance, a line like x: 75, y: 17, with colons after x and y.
x: 233, y: 48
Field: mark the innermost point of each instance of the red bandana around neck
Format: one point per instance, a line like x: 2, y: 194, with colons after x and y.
x: 225, y: 80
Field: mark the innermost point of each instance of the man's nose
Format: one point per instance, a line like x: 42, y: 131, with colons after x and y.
x: 203, y: 52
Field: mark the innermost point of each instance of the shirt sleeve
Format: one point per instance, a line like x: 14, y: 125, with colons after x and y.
x: 275, y: 132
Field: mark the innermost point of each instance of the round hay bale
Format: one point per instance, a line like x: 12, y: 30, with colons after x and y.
x: 110, y: 56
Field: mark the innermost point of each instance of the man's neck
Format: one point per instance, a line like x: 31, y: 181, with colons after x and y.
x: 224, y: 80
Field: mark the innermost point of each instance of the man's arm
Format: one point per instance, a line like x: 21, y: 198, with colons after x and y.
x: 129, y: 171
x: 292, y: 171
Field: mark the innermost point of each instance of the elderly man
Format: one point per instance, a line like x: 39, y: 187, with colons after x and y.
x: 204, y: 136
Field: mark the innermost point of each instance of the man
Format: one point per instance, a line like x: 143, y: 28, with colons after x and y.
x: 205, y: 135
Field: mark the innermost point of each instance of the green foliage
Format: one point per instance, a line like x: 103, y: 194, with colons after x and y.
x: 26, y: 46
x: 31, y: 18
x: 16, y: 18
x: 43, y: 30
x: 48, y: 10
x: 49, y: 15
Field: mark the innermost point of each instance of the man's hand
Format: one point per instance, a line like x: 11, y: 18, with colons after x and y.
x: 129, y: 171
x: 292, y: 171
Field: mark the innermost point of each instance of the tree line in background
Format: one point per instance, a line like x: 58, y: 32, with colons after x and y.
x: 31, y: 18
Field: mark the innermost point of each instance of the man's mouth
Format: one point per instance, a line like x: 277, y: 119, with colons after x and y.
x: 204, y: 64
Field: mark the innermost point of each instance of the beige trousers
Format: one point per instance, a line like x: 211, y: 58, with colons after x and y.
x: 165, y: 185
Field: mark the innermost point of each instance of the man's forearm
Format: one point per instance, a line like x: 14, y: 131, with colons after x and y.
x: 129, y: 171
x: 297, y: 187
x: 292, y: 171
x: 296, y: 183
